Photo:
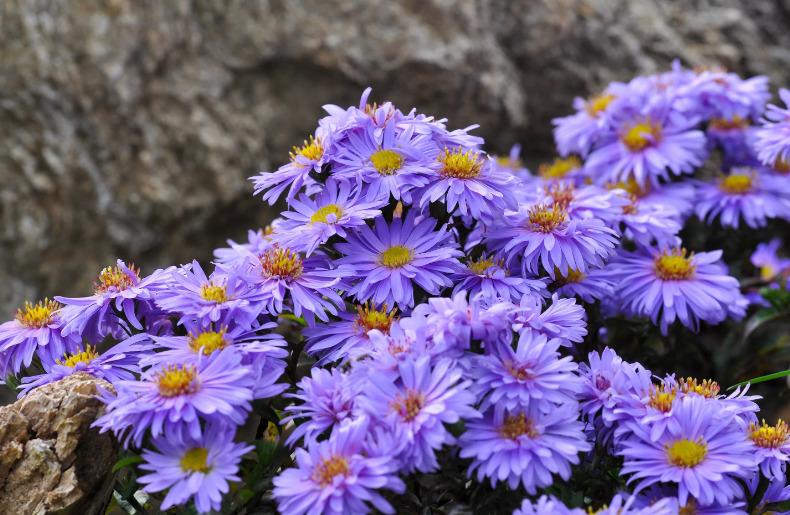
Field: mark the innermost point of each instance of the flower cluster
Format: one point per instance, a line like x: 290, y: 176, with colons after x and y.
x: 423, y: 309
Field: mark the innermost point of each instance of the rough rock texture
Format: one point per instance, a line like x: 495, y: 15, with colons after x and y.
x: 51, y: 461
x: 128, y: 128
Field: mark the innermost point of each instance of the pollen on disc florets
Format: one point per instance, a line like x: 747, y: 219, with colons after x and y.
x: 38, y: 315
x: 73, y: 359
x: 386, y: 161
x: 483, y: 264
x: 641, y: 135
x: 661, y: 398
x: 729, y: 124
x: 516, y: 426
x: 208, y: 341
x: 675, y: 264
x: 326, y: 471
x: 546, y: 218
x: 116, y: 279
x: 559, y: 168
x: 369, y: 318
x: 598, y: 104
x: 312, y: 149
x: 175, y: 380
x: 459, y: 164
x: 770, y: 437
x: 281, y: 263
x: 707, y: 387
x: 408, y: 406
x: 736, y: 184
x: 195, y: 460
x: 216, y: 293
x: 686, y: 453
x: 396, y: 256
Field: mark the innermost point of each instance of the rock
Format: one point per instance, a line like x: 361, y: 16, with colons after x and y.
x: 128, y: 128
x: 51, y: 460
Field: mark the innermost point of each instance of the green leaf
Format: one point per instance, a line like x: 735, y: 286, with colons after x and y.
x: 761, y: 379
x: 776, y: 507
x: 126, y: 462
x: 299, y: 320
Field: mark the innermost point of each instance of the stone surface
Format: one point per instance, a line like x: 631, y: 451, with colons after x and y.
x: 128, y: 127
x: 51, y: 461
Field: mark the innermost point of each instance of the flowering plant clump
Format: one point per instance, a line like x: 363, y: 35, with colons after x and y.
x: 431, y: 329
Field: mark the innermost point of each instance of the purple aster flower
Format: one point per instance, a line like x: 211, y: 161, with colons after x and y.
x: 197, y: 468
x: 119, y: 292
x: 468, y: 184
x: 563, y: 319
x: 525, y: 446
x: 391, y: 161
x: 667, y: 496
x: 568, y: 170
x: 313, y: 221
x: 338, y: 476
x: 671, y: 285
x: 772, y: 445
x: 704, y: 452
x: 532, y: 373
x: 488, y: 277
x: 743, y: 193
x: 416, y: 403
x: 777, y: 491
x: 36, y: 328
x: 513, y: 164
x: 734, y: 138
x: 645, y: 145
x: 211, y: 298
x: 772, y: 139
x: 766, y: 259
x: 584, y: 202
x: 546, y: 505
x: 577, y: 133
x: 295, y: 175
x: 678, y: 197
x: 173, y: 398
x: 236, y: 253
x: 392, y: 259
x: 337, y: 340
x: 620, y: 505
x: 715, y: 93
x: 118, y: 363
x: 328, y: 398
x: 405, y: 341
x: 648, y: 224
x: 593, y: 286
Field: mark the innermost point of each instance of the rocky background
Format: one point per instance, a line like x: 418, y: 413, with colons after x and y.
x: 128, y: 127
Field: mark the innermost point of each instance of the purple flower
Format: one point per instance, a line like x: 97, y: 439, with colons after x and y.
x: 337, y: 476
x: 36, y: 328
x: 743, y: 193
x: 295, y: 175
x: 236, y: 253
x: 772, y: 140
x: 671, y: 285
x: 405, y: 341
x: 563, y: 319
x: 468, y: 184
x: 766, y: 259
x: 598, y: 381
x: 532, y: 373
x: 525, y: 446
x: 489, y: 277
x: 393, y: 259
x: 220, y: 297
x: 593, y: 286
x: 313, y: 221
x: 415, y: 404
x: 666, y: 495
x: 546, y: 505
x: 197, y: 468
x: 704, y: 452
x: 648, y: 224
x: 172, y: 398
x: 772, y: 444
x: 715, y: 93
x: 577, y: 133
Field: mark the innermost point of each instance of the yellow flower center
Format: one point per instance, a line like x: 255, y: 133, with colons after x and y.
x: 37, y: 315
x: 519, y: 372
x: 326, y: 471
x: 396, y: 256
x: 115, y: 279
x: 562, y: 195
x: 707, y: 387
x: 771, y: 437
x: 386, y: 162
x: 781, y: 166
x: 460, y: 164
x: 686, y: 453
x: 559, y: 168
x: 573, y: 276
x: 214, y: 293
x: 689, y: 509
x: 724, y: 124
x: 195, y: 460
x: 641, y: 135
x: 72, y: 360
x: 208, y: 342
x: 322, y: 213
x: 517, y: 426
x: 482, y: 265
x: 175, y: 380
x: 630, y: 186
x: 311, y: 149
x: 736, y: 184
x: 281, y: 263
x: 598, y: 104
x: 767, y: 272
x: 661, y: 399
x: 408, y: 406
x: 674, y: 265
x: 546, y: 218
x: 507, y: 162
x: 369, y: 318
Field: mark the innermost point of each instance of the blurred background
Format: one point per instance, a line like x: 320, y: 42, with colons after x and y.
x: 129, y: 128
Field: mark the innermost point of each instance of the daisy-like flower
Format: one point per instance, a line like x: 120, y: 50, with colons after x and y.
x: 648, y: 224
x: 546, y: 505
x: 733, y: 137
x: 772, y: 139
x: 295, y: 175
x: 119, y: 363
x: 704, y: 452
x: 577, y: 133
x: 715, y: 93
x: 513, y: 164
x: 773, y: 447
x: 405, y: 341
x: 620, y: 505
x: 392, y: 161
x: 338, y: 476
x: 211, y: 298
x: 644, y: 146
x: 119, y: 292
x: 768, y: 262
x: 488, y: 277
x: 665, y: 495
x: 525, y: 446
x: 545, y: 235
x: 415, y: 404
x: 562, y: 168
x: 744, y: 193
x: 197, y: 468
x: 328, y: 398
x: 36, y: 328
x: 336, y: 340
x: 392, y: 259
x: 312, y: 221
x: 585, y: 202
x: 668, y: 285
x: 590, y: 287
x: 468, y: 184
x: 532, y: 373
x: 173, y: 398
x: 677, y: 197
x: 235, y: 253
x: 563, y: 319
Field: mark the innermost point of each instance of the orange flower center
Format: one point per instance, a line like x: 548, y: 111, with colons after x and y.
x: 517, y: 426
x: 281, y: 263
